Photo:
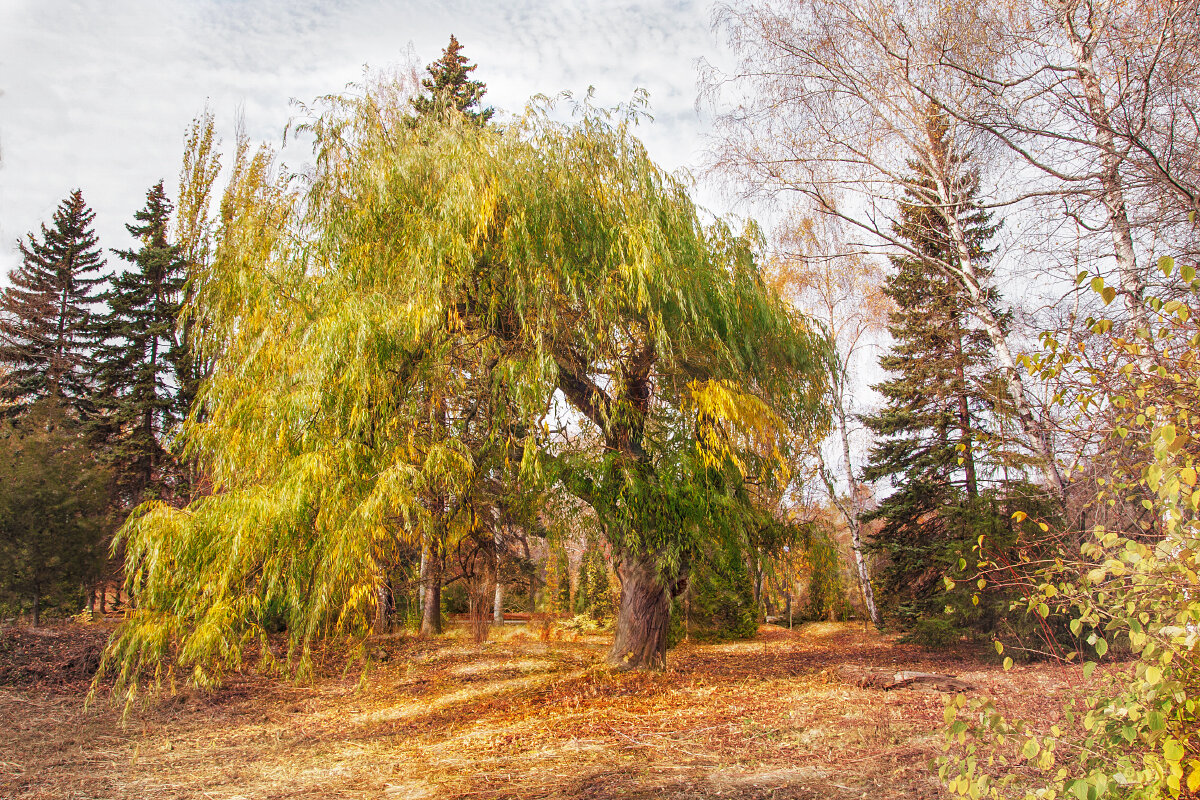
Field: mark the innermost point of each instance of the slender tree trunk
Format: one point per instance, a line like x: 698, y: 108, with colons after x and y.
x: 37, y: 609
x: 1008, y: 365
x: 422, y: 577
x: 964, y: 418
x: 644, y: 616
x: 498, y: 601
x: 532, y: 574
x: 850, y: 510
x: 1112, y: 188
x: 756, y: 570
x: 855, y: 508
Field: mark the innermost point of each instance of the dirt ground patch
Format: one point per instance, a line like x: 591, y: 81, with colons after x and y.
x: 518, y: 718
x: 64, y: 656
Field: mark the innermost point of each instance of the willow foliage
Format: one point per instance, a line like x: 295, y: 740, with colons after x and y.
x: 387, y: 335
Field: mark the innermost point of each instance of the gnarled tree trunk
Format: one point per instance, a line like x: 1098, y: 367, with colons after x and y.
x: 640, y: 641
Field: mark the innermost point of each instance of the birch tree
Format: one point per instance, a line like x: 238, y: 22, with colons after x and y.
x: 831, y: 101
x: 1097, y: 100
x: 843, y: 293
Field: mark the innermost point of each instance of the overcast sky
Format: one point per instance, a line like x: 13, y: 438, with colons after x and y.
x: 96, y: 94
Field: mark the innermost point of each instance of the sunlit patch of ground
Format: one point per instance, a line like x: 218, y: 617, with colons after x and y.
x: 519, y: 718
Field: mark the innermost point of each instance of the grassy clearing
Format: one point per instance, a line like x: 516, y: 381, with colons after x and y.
x: 519, y: 718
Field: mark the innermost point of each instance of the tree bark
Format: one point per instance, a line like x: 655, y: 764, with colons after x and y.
x: 644, y: 617
x: 498, y: 602
x: 850, y: 512
x: 431, y: 609
x: 383, y: 596
x: 1112, y: 186
x: 37, y: 609
x: 964, y: 417
x: 855, y: 506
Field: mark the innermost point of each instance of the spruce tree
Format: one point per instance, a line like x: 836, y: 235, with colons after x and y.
x: 46, y: 314
x: 937, y: 407
x: 139, y: 354
x: 449, y: 84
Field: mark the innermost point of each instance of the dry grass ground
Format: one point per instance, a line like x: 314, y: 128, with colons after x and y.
x: 518, y: 718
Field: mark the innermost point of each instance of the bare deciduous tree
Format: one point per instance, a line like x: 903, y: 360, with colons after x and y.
x: 843, y: 293
x: 833, y: 100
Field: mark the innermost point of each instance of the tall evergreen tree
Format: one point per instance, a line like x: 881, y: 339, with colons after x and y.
x: 937, y: 406
x: 46, y: 313
x: 139, y: 353
x: 449, y: 84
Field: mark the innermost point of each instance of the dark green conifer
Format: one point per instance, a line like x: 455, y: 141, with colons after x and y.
x: 140, y: 355
x: 46, y: 314
x: 53, y: 510
x: 449, y: 84
x: 938, y: 406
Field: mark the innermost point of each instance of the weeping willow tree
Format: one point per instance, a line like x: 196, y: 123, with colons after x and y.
x: 438, y: 312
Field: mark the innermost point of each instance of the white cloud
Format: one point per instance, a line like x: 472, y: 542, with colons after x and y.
x: 97, y: 93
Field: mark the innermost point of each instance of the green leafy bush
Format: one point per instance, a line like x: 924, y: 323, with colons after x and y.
x: 934, y: 633
x: 1134, y: 735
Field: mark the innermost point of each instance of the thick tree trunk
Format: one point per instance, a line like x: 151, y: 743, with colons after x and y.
x: 644, y: 617
x: 383, y: 602
x: 431, y: 607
